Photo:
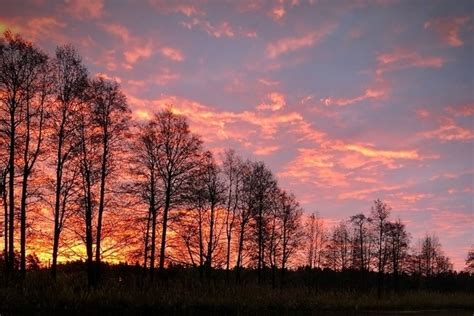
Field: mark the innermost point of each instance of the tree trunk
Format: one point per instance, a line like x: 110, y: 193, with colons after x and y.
x: 11, y: 193
x: 165, y: 225
x: 103, y: 175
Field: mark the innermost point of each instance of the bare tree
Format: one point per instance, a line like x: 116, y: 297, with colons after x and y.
x: 244, y: 211
x: 379, y: 213
x: 316, y: 238
x: 338, y: 247
x: 233, y: 177
x: 147, y: 184
x: 291, y: 229
x: 214, y: 192
x: 179, y: 151
x: 398, y: 240
x: 23, y: 94
x: 361, y: 240
x: 70, y: 81
x: 110, y: 115
x: 470, y: 261
x: 264, y: 186
x: 429, y: 257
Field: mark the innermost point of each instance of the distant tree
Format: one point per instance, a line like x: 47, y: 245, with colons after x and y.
x: 361, y: 244
x: 32, y: 262
x: 316, y: 238
x: 339, y: 247
x: 470, y: 261
x: 429, y: 259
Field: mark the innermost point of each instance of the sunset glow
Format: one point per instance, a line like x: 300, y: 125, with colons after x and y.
x: 346, y: 101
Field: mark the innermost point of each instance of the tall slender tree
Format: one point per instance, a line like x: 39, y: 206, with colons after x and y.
x: 70, y: 82
x: 110, y: 117
x: 179, y: 153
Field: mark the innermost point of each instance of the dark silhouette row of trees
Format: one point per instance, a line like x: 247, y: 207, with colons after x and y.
x: 73, y: 158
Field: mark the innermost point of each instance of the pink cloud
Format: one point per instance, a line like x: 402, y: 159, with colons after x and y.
x: 186, y: 9
x: 466, y: 109
x: 118, y: 30
x: 85, y: 9
x: 165, y: 76
x: 369, y: 93
x: 400, y: 59
x: 448, y: 29
x: 172, y: 54
x: 277, y: 12
x: 274, y: 101
x: 290, y: 44
x: 266, y: 150
x: 448, y: 130
x: 224, y: 29
x: 136, y: 53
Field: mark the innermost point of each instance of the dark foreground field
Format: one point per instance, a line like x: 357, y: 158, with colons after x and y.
x: 183, y: 291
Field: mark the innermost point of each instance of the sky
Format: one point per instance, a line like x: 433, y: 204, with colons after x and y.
x: 346, y: 101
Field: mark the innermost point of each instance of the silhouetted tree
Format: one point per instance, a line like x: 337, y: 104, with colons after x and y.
x: 70, y: 81
x: 263, y: 190
x: 429, y: 258
x: 470, y: 261
x: 292, y: 235
x: 316, y: 238
x: 110, y: 114
x: 361, y: 248
x: 339, y: 247
x: 379, y: 214
x: 233, y: 176
x: 23, y: 93
x: 398, y: 241
x: 179, y: 151
x: 147, y: 184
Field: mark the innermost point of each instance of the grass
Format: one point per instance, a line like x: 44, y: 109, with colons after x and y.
x: 189, y: 296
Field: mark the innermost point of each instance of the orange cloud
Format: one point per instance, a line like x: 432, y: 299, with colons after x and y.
x: 290, y: 44
x: 448, y: 28
x: 172, y: 53
x: 275, y: 101
x: 369, y: 93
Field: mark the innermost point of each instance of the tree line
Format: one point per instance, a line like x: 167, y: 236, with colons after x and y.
x: 73, y: 157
